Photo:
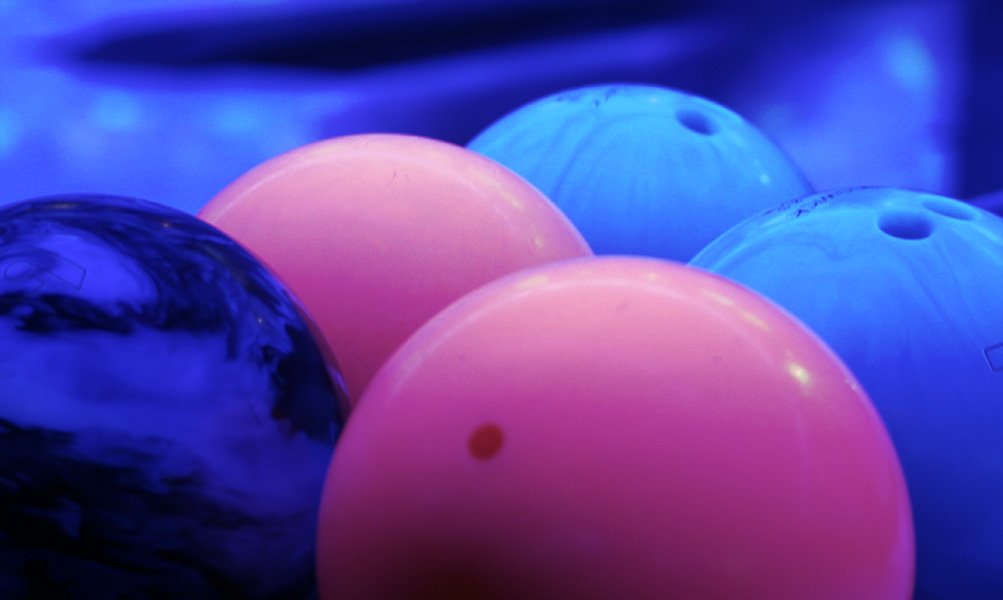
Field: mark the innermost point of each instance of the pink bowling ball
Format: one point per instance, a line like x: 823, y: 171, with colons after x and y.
x: 615, y: 428
x: 376, y: 233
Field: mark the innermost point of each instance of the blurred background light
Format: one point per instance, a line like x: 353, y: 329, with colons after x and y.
x: 170, y: 100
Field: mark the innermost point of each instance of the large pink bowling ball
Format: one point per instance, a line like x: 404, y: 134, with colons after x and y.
x: 375, y: 233
x: 615, y: 428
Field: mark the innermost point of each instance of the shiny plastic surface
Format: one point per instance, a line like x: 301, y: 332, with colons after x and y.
x: 642, y: 169
x: 614, y: 428
x: 166, y: 417
x: 375, y: 233
x: 907, y: 288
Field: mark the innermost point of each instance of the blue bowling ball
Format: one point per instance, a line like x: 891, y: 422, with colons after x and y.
x: 907, y: 288
x: 166, y: 418
x: 642, y: 169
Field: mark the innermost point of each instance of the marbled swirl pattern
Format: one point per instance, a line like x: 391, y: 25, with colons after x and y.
x: 166, y: 417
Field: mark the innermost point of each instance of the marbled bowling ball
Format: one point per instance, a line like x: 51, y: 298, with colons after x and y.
x: 166, y: 417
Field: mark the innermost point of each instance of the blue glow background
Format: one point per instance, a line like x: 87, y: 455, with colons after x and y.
x: 169, y: 100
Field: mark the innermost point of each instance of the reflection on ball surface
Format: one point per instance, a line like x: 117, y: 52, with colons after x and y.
x: 642, y: 169
x: 907, y: 288
x: 165, y: 417
x: 378, y: 232
x: 614, y: 428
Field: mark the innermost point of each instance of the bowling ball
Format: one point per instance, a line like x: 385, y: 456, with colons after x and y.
x: 614, y: 427
x: 166, y: 418
x: 642, y: 169
x: 907, y: 287
x: 376, y: 233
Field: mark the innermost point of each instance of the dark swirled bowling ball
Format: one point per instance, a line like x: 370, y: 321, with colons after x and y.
x: 166, y: 417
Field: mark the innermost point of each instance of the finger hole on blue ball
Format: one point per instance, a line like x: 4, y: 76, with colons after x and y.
x: 696, y: 121
x: 906, y: 225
